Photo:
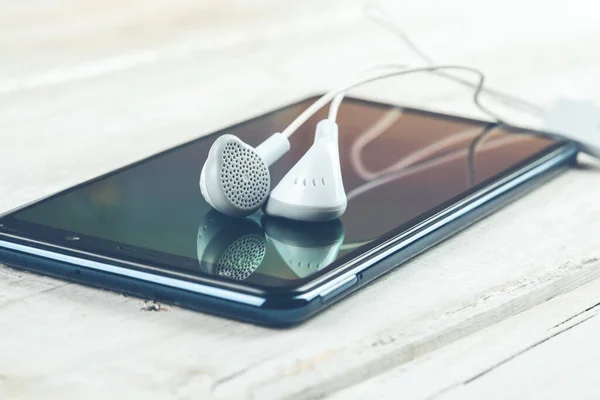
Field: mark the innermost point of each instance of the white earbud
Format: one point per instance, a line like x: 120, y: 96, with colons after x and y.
x: 235, y: 178
x: 313, y: 189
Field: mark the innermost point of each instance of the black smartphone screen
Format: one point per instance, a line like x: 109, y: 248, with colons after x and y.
x: 398, y: 166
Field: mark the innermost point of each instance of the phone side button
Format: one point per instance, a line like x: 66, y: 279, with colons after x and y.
x: 341, y: 286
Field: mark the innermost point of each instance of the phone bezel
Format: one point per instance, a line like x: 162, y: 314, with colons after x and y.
x: 327, y: 277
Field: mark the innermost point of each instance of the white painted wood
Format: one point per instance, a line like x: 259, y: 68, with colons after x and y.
x: 127, y: 79
x: 547, y: 352
x: 564, y: 367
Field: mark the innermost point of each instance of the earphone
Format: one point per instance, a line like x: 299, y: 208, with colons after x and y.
x: 235, y: 178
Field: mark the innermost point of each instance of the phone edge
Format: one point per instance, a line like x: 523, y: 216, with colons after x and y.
x: 296, y: 308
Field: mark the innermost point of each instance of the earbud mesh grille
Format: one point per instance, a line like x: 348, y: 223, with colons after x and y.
x: 244, y: 176
x: 242, y: 258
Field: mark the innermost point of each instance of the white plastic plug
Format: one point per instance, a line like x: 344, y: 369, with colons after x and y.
x: 578, y: 120
x: 313, y: 189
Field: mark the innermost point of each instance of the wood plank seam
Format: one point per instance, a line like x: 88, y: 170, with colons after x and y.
x: 593, y: 311
x: 396, y: 350
x: 457, y: 363
x: 577, y: 315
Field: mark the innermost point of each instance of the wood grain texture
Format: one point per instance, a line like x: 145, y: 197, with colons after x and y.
x: 88, y: 87
x: 542, y: 353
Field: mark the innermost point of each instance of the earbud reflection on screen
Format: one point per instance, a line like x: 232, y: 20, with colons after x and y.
x: 231, y: 248
x: 305, y: 247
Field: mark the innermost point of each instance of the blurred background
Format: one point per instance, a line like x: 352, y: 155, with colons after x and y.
x: 102, y: 83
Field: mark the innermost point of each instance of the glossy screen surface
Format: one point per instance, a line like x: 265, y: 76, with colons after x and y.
x: 397, y: 166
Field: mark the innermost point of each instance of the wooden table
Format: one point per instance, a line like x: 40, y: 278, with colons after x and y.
x: 505, y: 309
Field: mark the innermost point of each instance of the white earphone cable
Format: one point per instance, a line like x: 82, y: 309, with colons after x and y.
x: 413, y: 158
x: 400, y: 70
x: 382, y: 18
x: 432, y: 163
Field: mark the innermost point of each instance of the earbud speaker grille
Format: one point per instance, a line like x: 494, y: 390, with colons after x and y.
x: 242, y: 258
x: 244, y: 176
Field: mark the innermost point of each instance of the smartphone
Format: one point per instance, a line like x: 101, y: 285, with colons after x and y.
x: 412, y: 178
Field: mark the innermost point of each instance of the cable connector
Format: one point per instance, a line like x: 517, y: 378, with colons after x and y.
x: 578, y: 120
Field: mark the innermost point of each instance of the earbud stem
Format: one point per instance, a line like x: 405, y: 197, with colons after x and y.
x: 273, y: 148
x: 313, y: 190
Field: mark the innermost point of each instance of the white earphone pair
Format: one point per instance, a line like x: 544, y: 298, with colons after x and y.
x: 235, y: 178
